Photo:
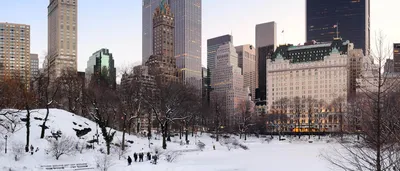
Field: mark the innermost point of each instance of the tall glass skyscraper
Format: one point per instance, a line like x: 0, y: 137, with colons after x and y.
x: 352, y: 17
x: 102, y: 63
x: 187, y: 15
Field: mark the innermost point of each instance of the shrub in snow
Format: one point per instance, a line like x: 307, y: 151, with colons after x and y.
x: 104, y: 162
x: 120, y: 152
x: 201, y: 145
x: 80, y: 146
x: 171, y: 156
x: 244, y: 147
x: 11, y: 122
x: 62, y: 146
x: 18, y: 150
x: 1, y: 147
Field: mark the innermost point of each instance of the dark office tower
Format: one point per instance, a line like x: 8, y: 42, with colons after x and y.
x: 396, y: 57
x: 188, y: 40
x: 265, y: 46
x: 212, y: 46
x: 352, y: 17
x: 187, y: 36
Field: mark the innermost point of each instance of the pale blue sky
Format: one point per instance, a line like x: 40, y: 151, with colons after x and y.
x: 116, y: 24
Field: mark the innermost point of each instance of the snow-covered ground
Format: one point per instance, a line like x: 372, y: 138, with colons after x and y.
x: 261, y: 156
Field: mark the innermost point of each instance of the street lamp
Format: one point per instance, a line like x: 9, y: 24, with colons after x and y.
x: 5, y: 149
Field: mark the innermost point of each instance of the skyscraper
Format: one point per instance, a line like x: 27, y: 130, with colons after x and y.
x: 187, y: 36
x: 34, y: 65
x: 212, y: 47
x: 227, y: 80
x: 247, y: 62
x: 351, y: 18
x: 188, y: 40
x: 162, y: 63
x: 15, y: 52
x: 62, y: 36
x: 101, y: 63
x: 148, y: 8
x: 265, y: 46
x: 396, y: 57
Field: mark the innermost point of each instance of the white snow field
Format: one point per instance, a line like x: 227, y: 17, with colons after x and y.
x: 261, y: 156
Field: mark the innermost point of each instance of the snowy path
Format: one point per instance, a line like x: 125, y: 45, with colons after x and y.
x: 260, y: 157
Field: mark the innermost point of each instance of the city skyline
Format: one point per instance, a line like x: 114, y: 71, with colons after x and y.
x: 128, y: 15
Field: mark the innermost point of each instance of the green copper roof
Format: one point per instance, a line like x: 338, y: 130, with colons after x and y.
x: 162, y: 6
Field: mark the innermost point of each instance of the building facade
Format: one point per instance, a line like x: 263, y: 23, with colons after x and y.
x: 62, y: 36
x: 139, y: 81
x: 34, y: 58
x: 247, y: 62
x: 212, y: 47
x: 187, y: 36
x: 396, y: 57
x: 15, y: 52
x: 101, y: 63
x: 265, y: 46
x: 389, y: 66
x: 205, y: 82
x: 317, y: 72
x: 356, y: 57
x: 350, y: 18
x: 162, y: 64
x: 227, y: 80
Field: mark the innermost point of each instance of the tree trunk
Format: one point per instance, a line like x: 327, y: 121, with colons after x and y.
x: 187, y: 136
x: 28, y: 125
x: 180, y: 132
x: 164, y: 129
x: 123, y: 134
x: 245, y: 136
x: 217, y: 132
x: 193, y: 126
x: 44, y: 122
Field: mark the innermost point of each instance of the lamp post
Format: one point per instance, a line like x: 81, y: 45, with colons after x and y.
x: 5, y: 149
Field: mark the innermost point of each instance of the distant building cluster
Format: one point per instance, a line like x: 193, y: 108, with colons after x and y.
x: 333, y: 63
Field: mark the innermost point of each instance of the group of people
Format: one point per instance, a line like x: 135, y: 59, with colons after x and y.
x: 140, y: 156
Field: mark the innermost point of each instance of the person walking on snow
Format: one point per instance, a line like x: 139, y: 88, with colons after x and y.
x: 155, y: 157
x: 148, y: 156
x: 32, y: 148
x: 140, y: 157
x: 129, y: 160
x: 135, y: 156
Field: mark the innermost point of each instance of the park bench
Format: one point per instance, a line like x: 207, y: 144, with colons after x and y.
x: 76, y: 166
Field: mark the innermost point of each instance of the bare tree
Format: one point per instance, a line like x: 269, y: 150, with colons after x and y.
x: 70, y: 88
x: 62, y: 146
x: 104, y: 162
x: 45, y: 94
x: 377, y: 102
x: 167, y: 106
x: 103, y: 105
x: 17, y: 149
x: 298, y: 106
x: 280, y: 108
x: 311, y: 107
x: 245, y: 119
x: 218, y: 110
x: 339, y: 107
x: 10, y: 120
